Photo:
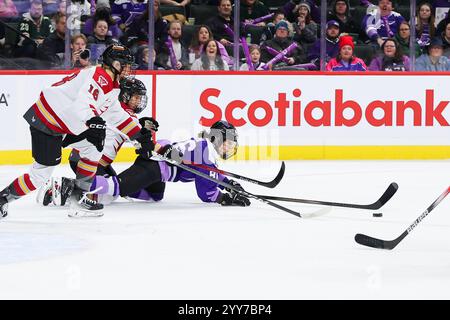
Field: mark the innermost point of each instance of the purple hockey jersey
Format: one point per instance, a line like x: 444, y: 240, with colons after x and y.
x: 384, y: 27
x: 198, y: 151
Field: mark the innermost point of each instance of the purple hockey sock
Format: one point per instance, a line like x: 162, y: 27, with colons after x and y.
x: 108, y: 186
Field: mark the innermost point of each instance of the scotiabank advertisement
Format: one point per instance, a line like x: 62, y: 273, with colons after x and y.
x: 313, y: 110
x: 280, y: 116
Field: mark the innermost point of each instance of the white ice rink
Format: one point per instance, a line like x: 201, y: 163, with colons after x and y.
x: 184, y: 249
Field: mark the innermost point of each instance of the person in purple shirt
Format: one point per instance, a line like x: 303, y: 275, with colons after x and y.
x: 332, y: 44
x: 146, y: 178
x: 382, y: 23
x: 127, y: 10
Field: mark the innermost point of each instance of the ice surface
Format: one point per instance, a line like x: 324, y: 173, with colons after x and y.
x: 184, y: 249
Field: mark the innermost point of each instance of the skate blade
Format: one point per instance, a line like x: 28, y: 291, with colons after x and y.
x: 78, y: 213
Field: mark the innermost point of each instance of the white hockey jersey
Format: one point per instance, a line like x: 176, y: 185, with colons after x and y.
x: 122, y: 125
x: 68, y: 104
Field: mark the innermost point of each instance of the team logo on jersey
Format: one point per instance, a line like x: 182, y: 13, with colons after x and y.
x: 102, y: 81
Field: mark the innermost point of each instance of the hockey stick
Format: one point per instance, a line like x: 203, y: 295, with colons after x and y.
x: 391, y: 244
x: 270, y: 184
x: 387, y: 195
x: 224, y: 184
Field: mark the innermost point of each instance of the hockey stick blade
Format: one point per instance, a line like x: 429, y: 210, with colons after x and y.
x: 387, y: 195
x: 224, y: 184
x: 368, y: 241
x: 270, y: 184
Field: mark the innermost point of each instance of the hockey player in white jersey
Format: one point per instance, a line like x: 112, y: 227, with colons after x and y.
x: 122, y: 125
x: 72, y: 106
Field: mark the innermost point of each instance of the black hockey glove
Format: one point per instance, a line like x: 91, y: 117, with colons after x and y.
x: 146, y: 145
x: 233, y: 199
x: 234, y: 184
x: 96, y: 132
x: 172, y: 153
x: 149, y: 123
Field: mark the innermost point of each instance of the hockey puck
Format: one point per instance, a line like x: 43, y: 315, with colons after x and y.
x: 377, y: 214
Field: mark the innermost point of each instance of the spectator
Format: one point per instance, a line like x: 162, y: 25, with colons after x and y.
x: 382, y: 23
x: 200, y: 38
x: 143, y: 56
x: 402, y: 37
x: 391, y: 59
x: 126, y: 11
x: 77, y: 13
x: 433, y: 60
x: 290, y: 9
x: 100, y: 35
x: 62, y: 6
x: 332, y: 44
x: 340, y: 12
x: 281, y: 42
x: 441, y: 26
x: 80, y: 55
x: 50, y: 7
x: 137, y: 33
x: 346, y: 61
x: 217, y: 23
x: 53, y: 47
x: 255, y: 56
x: 179, y: 50
x: 425, y: 29
x: 446, y: 40
x: 8, y: 9
x: 36, y: 27
x: 269, y: 31
x: 252, y: 9
x: 102, y: 12
x: 305, y: 29
x: 210, y: 59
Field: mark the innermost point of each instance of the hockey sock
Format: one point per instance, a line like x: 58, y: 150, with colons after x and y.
x: 109, y: 186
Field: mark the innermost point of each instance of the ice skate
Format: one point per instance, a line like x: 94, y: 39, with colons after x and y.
x: 83, y: 205
x: 62, y: 188
x: 44, y: 195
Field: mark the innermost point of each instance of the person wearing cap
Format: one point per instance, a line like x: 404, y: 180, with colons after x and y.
x: 346, y: 61
x: 332, y: 44
x: 382, y: 23
x: 305, y: 29
x: 433, y: 60
x: 290, y: 9
x: 280, y: 42
x: 340, y: 11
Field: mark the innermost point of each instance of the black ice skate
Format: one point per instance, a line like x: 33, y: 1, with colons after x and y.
x: 3, y: 205
x: 62, y: 188
x: 82, y: 205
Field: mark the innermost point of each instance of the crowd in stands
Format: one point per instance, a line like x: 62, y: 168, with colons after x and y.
x: 360, y: 35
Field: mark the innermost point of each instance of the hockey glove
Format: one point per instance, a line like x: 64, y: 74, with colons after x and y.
x: 146, y: 145
x: 149, y: 123
x: 171, y: 152
x: 234, y: 184
x: 96, y: 132
x: 233, y: 199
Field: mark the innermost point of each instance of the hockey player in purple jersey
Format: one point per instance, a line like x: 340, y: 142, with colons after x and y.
x: 146, y: 179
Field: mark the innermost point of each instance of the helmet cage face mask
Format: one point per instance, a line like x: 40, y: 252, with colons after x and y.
x: 131, y: 87
x: 225, y: 142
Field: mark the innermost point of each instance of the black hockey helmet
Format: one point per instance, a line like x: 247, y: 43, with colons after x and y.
x: 130, y: 87
x: 117, y: 52
x: 223, y: 135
